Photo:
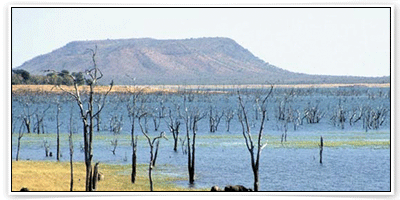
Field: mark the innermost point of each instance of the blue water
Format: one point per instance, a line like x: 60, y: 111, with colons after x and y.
x: 222, y: 157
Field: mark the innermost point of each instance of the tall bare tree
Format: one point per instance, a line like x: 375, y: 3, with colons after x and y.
x: 191, y: 117
x: 87, y: 114
x: 40, y: 119
x: 173, y: 125
x: 153, y: 152
x: 214, y: 119
x: 58, y: 130
x: 253, y: 148
x: 133, y: 111
x: 20, y: 135
x: 71, y: 150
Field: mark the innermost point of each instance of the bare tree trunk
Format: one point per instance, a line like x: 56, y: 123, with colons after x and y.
x: 20, y: 135
x: 87, y: 115
x: 256, y: 182
x: 71, y: 153
x: 155, y: 153
x: 191, y: 125
x: 192, y: 165
x: 175, y: 144
x: 27, y: 124
x: 18, y: 147
x: 58, y: 132
x: 134, y: 144
x: 255, y: 159
x: 151, y: 143
x: 95, y: 176
x: 151, y: 168
x: 321, y: 148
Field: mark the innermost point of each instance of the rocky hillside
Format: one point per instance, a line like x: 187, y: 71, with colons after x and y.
x: 188, y: 61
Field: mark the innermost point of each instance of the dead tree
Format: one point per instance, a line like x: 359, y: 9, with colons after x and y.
x: 58, y: 131
x: 191, y: 118
x: 228, y: 117
x: 215, y: 118
x: 98, y: 119
x: 321, y: 148
x: 46, y: 146
x: 27, y: 117
x: 313, y: 114
x: 152, y: 143
x: 115, y: 128
x: 285, y: 129
x: 173, y: 125
x: 356, y: 116
x: 254, y: 149
x: 20, y: 135
x: 95, y: 176
x: 156, y: 116
x: 71, y: 154
x: 87, y: 115
x: 133, y: 112
x: 40, y: 120
x: 373, y: 118
x: 339, y: 116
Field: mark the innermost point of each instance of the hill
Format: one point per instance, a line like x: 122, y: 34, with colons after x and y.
x: 189, y: 61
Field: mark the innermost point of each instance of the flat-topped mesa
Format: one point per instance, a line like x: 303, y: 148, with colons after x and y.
x: 204, y: 61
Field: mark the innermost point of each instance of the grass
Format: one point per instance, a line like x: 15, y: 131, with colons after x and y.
x: 314, y: 144
x: 55, y: 176
x: 379, y: 139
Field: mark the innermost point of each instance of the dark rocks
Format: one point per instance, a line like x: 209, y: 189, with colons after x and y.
x: 215, y: 188
x: 24, y: 189
x: 231, y: 188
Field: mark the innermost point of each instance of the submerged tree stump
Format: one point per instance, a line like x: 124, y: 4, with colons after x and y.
x: 95, y: 176
x: 321, y: 148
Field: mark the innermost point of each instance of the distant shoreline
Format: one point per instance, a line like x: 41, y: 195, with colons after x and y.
x: 16, y: 89
x: 176, y: 88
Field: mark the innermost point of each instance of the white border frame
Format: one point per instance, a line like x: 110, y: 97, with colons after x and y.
x: 286, y: 194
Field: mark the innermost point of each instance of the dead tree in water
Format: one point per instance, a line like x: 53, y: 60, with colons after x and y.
x: 20, y: 135
x: 339, y: 115
x: 27, y: 116
x: 215, y: 118
x: 133, y: 111
x: 71, y: 154
x: 254, y: 149
x: 87, y: 115
x: 373, y: 118
x: 58, y: 131
x: 228, y: 117
x: 71, y: 150
x: 46, y: 146
x: 40, y: 120
x: 191, y: 118
x: 115, y: 128
x: 173, y: 125
x: 321, y: 148
x: 152, y: 143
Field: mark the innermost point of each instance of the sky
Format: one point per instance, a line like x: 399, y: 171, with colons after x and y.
x: 328, y: 41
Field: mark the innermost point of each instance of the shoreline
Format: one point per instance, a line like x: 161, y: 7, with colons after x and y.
x: 179, y: 88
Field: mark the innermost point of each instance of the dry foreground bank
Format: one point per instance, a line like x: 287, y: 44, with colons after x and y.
x: 55, y: 176
x: 16, y: 89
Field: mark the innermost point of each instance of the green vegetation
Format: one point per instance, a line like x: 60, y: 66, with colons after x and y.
x: 20, y: 76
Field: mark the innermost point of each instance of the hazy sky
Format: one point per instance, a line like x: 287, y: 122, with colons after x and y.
x: 331, y: 41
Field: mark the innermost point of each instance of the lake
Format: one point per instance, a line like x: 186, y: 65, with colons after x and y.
x: 356, y: 154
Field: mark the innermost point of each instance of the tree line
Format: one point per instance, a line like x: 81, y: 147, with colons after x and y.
x: 23, y: 77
